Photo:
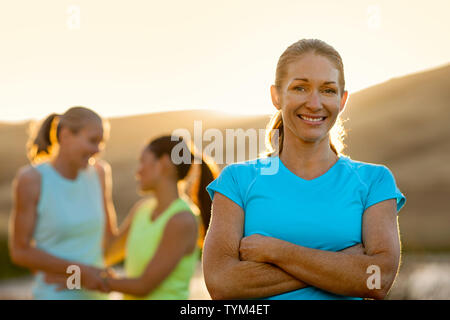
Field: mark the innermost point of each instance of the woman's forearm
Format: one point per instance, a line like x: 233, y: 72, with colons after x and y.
x: 129, y: 286
x: 249, y: 279
x: 139, y: 287
x: 37, y: 259
x: 338, y: 272
x: 246, y: 279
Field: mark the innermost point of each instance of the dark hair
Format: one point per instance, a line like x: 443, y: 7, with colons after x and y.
x: 294, y: 52
x: 208, y: 172
x: 41, y: 145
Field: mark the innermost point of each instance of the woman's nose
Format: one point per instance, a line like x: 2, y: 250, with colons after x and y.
x: 313, y: 100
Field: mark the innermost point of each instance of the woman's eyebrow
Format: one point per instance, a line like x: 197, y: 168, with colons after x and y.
x: 306, y: 80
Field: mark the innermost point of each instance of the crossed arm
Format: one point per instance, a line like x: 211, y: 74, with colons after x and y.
x: 259, y: 266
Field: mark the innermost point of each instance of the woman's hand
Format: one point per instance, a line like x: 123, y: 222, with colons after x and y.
x: 56, y: 278
x: 255, y: 248
x: 91, y: 278
x: 94, y: 279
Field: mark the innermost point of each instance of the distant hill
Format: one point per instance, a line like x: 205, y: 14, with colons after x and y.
x: 402, y: 123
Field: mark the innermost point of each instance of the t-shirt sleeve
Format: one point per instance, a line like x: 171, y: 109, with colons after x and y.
x: 226, y: 184
x: 384, y: 187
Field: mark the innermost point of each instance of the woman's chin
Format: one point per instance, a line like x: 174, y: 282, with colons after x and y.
x: 144, y: 189
x: 311, y: 139
x: 84, y: 164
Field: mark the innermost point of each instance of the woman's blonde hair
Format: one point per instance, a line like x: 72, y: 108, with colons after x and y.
x: 274, y: 129
x: 43, y: 140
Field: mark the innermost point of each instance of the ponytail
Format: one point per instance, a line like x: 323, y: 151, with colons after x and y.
x: 41, y: 145
x: 274, y: 135
x: 199, y: 195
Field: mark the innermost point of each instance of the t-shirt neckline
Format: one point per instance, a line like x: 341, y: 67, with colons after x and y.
x: 320, y: 179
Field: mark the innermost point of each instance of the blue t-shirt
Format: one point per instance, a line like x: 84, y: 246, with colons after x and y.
x: 323, y: 213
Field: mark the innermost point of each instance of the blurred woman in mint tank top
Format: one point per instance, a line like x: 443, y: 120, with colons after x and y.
x: 63, y: 214
x: 161, y: 237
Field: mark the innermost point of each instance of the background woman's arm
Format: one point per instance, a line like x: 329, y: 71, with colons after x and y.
x: 338, y: 272
x: 105, y: 177
x: 179, y: 238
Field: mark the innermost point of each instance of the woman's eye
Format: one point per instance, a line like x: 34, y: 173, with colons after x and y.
x: 331, y: 91
x: 299, y: 89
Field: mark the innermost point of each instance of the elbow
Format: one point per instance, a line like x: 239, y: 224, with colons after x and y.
x: 381, y: 279
x: 17, y: 256
x: 218, y: 287
x: 376, y: 294
x: 214, y: 287
x: 380, y: 291
x: 218, y: 292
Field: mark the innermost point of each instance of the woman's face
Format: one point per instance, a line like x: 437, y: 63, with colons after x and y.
x: 148, y: 171
x: 310, y: 98
x: 83, y: 145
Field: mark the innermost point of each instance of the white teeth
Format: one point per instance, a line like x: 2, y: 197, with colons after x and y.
x: 311, y: 119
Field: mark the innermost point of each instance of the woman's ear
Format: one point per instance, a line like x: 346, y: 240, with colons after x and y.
x: 167, y: 164
x: 343, y: 101
x: 64, y: 134
x: 275, y: 96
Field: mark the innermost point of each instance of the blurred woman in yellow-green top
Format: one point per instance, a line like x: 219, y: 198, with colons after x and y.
x: 161, y: 237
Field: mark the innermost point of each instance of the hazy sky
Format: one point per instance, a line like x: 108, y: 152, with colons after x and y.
x: 130, y: 57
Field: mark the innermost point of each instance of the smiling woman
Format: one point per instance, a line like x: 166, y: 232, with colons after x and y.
x: 63, y: 213
x: 312, y: 228
x: 327, y: 74
x: 84, y: 130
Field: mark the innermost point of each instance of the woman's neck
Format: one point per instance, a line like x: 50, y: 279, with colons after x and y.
x: 65, y: 168
x: 166, y: 192
x: 307, y: 160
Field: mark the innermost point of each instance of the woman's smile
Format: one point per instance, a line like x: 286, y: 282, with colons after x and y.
x: 312, y: 120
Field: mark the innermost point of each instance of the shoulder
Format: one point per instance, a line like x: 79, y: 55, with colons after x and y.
x: 28, y: 174
x: 28, y: 181
x: 247, y: 169
x: 366, y: 171
x: 182, y: 222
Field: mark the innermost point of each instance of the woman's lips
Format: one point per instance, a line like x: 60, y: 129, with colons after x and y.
x: 312, y: 120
